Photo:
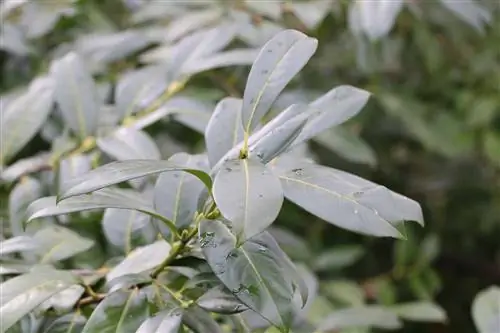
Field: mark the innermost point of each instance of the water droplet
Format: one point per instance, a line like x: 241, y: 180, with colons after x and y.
x: 376, y: 212
x: 356, y: 211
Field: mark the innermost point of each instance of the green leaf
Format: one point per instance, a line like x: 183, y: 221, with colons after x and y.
x: 346, y: 292
x: 72, y: 167
x: 56, y: 243
x: 120, y: 312
x: 200, y: 321
x: 249, y: 195
x: 76, y: 95
x: 293, y: 245
x: 224, y: 130
x: 311, y: 13
x: 128, y: 144
x: 470, y: 12
x: 420, y: 311
x: 332, y: 109
x: 279, y: 60
x: 337, y: 258
x: 258, y: 272
x: 24, y: 166
x: 120, y: 171
x: 70, y: 323
x: 63, y: 301
x: 371, y: 316
x: 17, y: 244
x: 23, y: 117
x: 167, y: 321
x: 348, y: 201
x: 486, y: 310
x: 176, y: 193
x: 141, y: 259
x: 220, y: 300
x: 22, y: 294
x: 234, y: 57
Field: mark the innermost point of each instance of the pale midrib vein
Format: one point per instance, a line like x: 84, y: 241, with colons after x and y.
x: 128, y: 232
x: 334, y: 194
x: 266, y: 83
x: 125, y: 310
x: 79, y: 110
x: 51, y: 251
x: 178, y: 194
x: 247, y: 193
x: 38, y: 286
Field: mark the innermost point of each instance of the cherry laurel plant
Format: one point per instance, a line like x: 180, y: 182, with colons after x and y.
x: 213, y: 265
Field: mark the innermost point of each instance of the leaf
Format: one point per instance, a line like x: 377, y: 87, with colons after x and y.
x: 420, y: 311
x: 278, y: 139
x: 70, y: 323
x: 224, y: 130
x: 311, y: 13
x: 486, y: 310
x: 24, y: 193
x: 279, y: 60
x: 23, y: 117
x: 121, y: 311
x: 470, y: 12
x: 192, y: 21
x: 176, y: 193
x: 127, y: 229
x: 120, y: 171
x: 16, y: 244
x: 63, y: 301
x: 233, y: 57
x: 292, y: 244
x: 72, y: 167
x: 345, y: 292
x: 361, y: 316
x: 375, y: 18
x: 127, y: 144
x: 220, y: 300
x: 258, y: 272
x: 348, y: 201
x: 337, y: 258
x: 200, y: 321
x: 56, y: 243
x: 167, y: 321
x: 24, y: 166
x: 22, y: 294
x: 332, y: 109
x: 104, y: 198
x: 76, y: 94
x: 249, y: 195
x: 141, y: 259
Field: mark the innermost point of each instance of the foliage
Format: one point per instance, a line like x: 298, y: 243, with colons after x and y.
x: 147, y: 170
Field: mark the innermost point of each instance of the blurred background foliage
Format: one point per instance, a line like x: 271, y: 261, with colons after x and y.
x: 431, y: 131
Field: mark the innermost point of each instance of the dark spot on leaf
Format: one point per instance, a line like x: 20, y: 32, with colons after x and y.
x: 261, y: 195
x: 265, y: 71
x: 228, y: 169
x: 298, y: 172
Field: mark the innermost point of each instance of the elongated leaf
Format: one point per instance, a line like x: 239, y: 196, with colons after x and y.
x: 337, y: 258
x: 120, y: 171
x: 76, y: 95
x: 258, y: 273
x: 72, y: 167
x: 348, y: 201
x: 23, y: 117
x: 377, y: 17
x: 127, y: 229
x: 16, y: 244
x: 55, y: 243
x: 141, y: 259
x: 176, y: 193
x: 420, y: 311
x: 22, y: 294
x: 278, y: 62
x: 105, y: 198
x: 224, y: 130
x: 234, y: 57
x: 470, y: 12
x: 249, y: 195
x: 278, y: 139
x: 63, y: 301
x: 24, y: 166
x: 24, y: 193
x: 70, y: 323
x: 332, y: 109
x: 200, y: 321
x: 220, y: 300
x: 127, y: 144
x: 486, y: 310
x: 121, y: 311
x: 167, y: 321
x: 311, y: 13
x: 190, y: 22
x: 359, y: 317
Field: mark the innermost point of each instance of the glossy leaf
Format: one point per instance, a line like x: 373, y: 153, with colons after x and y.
x: 249, y: 195
x: 120, y: 171
x: 23, y: 117
x: 70, y: 323
x: 55, y: 243
x: 141, y: 259
x: 16, y: 244
x: 121, y: 311
x: 375, y: 19
x: 128, y: 144
x: 486, y: 310
x: 358, y: 317
x: 234, y: 57
x: 63, y: 301
x: 471, y: 12
x: 167, y: 321
x: 311, y: 13
x: 200, y: 321
x: 220, y: 300
x: 224, y: 130
x: 176, y: 193
x: 348, y: 201
x: 279, y: 60
x: 258, y: 272
x: 76, y: 94
x: 24, y: 193
x: 72, y: 167
x: 22, y: 294
x: 421, y: 311
x: 24, y: 166
x: 332, y: 109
